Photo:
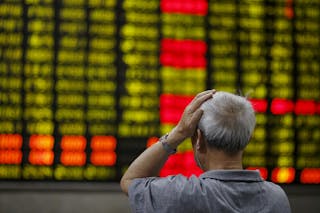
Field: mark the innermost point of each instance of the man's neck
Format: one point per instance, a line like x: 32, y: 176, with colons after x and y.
x: 217, y: 159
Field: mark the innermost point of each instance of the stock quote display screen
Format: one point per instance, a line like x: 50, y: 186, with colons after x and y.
x: 85, y: 86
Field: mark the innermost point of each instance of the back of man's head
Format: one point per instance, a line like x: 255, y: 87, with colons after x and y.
x: 227, y: 122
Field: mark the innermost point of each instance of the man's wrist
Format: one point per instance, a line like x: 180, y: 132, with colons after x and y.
x: 175, y: 138
x: 166, y: 146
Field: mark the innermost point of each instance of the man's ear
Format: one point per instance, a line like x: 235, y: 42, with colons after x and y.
x: 200, y: 142
x: 194, y: 138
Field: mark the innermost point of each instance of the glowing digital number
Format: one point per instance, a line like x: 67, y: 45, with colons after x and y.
x: 281, y: 106
x: 69, y: 114
x: 71, y: 158
x: 73, y: 143
x: 283, y: 175
x: 137, y: 130
x: 310, y: 176
x: 10, y: 172
x: 10, y: 141
x: 10, y: 156
x: 103, y: 143
x: 305, y: 107
x: 171, y: 107
x: 68, y: 173
x: 41, y: 157
x: 99, y: 173
x: 40, y: 127
x: 184, y: 6
x: 71, y: 100
x: 41, y: 142
x: 259, y: 105
x: 72, y: 128
x: 103, y: 158
x: 31, y: 172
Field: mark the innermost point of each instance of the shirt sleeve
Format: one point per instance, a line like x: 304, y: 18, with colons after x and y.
x: 156, y: 194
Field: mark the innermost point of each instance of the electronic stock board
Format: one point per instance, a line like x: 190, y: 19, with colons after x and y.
x: 87, y: 85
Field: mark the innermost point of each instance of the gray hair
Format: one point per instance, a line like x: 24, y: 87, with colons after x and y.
x: 227, y: 122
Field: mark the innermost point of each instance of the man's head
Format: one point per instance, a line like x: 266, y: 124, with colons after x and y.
x: 224, y: 130
x: 227, y: 122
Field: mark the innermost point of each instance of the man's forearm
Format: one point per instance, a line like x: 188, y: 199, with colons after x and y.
x: 148, y: 164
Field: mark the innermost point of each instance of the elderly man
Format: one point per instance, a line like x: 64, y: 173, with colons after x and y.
x: 220, y: 125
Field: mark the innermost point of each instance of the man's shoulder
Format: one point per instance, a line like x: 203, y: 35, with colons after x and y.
x: 272, y: 186
x: 167, y: 181
x: 173, y: 184
x: 275, y: 191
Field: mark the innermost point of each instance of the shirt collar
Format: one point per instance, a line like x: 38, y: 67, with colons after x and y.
x: 233, y: 175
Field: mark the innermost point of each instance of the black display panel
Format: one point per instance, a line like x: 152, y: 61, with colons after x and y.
x: 86, y: 85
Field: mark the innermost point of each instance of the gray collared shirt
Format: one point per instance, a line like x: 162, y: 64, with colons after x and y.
x: 214, y: 191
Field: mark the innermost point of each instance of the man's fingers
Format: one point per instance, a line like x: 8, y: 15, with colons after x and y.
x: 203, y: 93
x: 196, y: 116
x: 199, y: 99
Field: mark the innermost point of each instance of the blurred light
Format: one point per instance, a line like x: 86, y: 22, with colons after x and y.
x: 68, y: 173
x: 259, y: 134
x: 172, y: 107
x: 37, y: 172
x: 285, y: 160
x: 196, y: 7
x: 259, y: 105
x: 183, y: 53
x: 195, y: 47
x: 103, y: 143
x: 70, y: 158
x: 283, y: 175
x: 170, y: 116
x: 282, y: 147
x: 310, y: 175
x: 41, y: 157
x: 10, y: 171
x: 10, y: 156
x: 73, y: 143
x: 288, y: 10
x: 41, y: 142
x: 137, y: 86
x: 99, y: 173
x: 261, y: 119
x: 283, y: 133
x: 10, y: 141
x: 184, y: 60
x: 281, y: 106
x: 305, y: 107
x: 103, y: 158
